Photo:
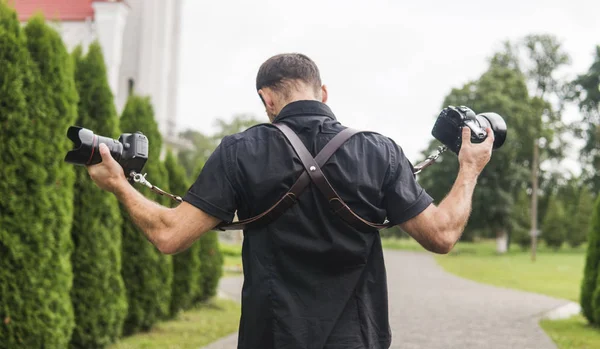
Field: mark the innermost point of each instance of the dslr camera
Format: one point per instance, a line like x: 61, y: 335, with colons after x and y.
x: 448, y: 127
x: 130, y: 150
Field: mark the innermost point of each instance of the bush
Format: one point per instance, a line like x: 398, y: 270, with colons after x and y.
x: 148, y: 274
x: 211, y: 261
x: 186, y: 265
x: 37, y: 102
x: 581, y: 222
x: 98, y: 293
x: 230, y: 250
x: 590, y: 272
x: 553, y: 228
x: 520, y: 221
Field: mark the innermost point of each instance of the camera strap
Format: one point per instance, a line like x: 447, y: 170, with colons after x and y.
x: 312, y: 172
x: 139, y: 178
x: 429, y: 161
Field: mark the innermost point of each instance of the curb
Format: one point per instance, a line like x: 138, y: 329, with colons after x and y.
x: 563, y: 312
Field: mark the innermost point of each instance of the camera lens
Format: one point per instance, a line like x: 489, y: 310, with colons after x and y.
x: 86, y: 147
x: 497, y: 124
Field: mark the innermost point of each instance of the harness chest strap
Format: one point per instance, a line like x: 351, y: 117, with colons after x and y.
x: 312, y: 173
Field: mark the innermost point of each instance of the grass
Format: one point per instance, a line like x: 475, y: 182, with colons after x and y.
x: 557, y: 274
x: 572, y: 333
x: 191, y: 330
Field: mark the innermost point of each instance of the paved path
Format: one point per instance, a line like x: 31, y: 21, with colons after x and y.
x: 432, y: 309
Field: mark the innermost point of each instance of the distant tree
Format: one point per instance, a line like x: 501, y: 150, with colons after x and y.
x: 581, y: 218
x: 98, y: 293
x: 239, y: 123
x: 546, y: 57
x: 587, y: 94
x: 186, y: 265
x: 590, y: 290
x: 521, y: 221
x: 203, y: 145
x: 553, y: 227
x: 148, y: 274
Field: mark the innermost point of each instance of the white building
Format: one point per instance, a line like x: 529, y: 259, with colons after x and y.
x: 140, y: 40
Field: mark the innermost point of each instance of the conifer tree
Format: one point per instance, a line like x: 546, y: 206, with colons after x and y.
x: 37, y: 103
x: 98, y: 293
x: 590, y: 292
x: 148, y: 274
x: 186, y: 265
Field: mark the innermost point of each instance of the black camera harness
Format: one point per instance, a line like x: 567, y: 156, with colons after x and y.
x: 312, y: 173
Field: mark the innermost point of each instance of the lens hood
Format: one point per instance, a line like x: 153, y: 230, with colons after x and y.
x: 498, y: 125
x: 83, y: 145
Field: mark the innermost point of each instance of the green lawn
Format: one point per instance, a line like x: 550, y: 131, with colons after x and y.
x: 573, y: 333
x: 556, y: 274
x: 192, y: 329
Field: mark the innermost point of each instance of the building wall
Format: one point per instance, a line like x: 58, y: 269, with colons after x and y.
x: 150, y: 57
x: 110, y: 19
x: 132, y: 38
x: 76, y: 33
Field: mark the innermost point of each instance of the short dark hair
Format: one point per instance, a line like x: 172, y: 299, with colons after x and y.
x: 281, y: 71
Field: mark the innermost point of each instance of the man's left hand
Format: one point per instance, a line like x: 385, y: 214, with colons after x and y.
x: 108, y: 175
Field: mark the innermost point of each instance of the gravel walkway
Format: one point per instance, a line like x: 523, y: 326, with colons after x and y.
x: 432, y: 309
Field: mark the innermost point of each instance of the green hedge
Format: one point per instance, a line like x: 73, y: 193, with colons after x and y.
x: 590, y: 273
x: 211, y: 261
x: 186, y: 265
x: 581, y: 222
x: 554, y: 226
x: 98, y: 293
x: 148, y: 274
x: 521, y: 222
x: 37, y: 102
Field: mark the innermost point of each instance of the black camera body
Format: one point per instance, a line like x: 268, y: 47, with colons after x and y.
x: 448, y: 127
x: 130, y: 150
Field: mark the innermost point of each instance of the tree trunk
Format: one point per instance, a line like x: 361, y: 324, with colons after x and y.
x: 534, y: 197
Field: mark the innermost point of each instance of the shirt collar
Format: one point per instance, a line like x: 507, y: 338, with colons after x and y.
x: 304, y: 108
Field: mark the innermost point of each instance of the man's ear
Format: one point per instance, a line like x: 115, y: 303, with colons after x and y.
x: 324, y: 94
x: 268, y: 99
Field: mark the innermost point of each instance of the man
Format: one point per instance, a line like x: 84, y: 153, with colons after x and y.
x: 310, y: 279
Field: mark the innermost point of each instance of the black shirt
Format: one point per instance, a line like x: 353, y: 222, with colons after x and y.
x: 310, y: 280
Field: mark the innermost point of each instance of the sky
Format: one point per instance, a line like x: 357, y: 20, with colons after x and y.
x: 387, y: 64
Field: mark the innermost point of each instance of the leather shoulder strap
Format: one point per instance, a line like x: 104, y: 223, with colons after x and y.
x: 316, y: 175
x: 290, y: 198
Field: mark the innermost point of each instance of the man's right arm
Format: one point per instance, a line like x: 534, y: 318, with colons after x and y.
x: 438, y: 228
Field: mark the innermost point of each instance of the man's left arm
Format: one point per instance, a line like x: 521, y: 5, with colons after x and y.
x: 171, y: 230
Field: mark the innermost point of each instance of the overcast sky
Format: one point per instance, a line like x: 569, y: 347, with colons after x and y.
x: 388, y: 64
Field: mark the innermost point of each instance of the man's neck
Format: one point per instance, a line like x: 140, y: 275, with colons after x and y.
x: 294, y: 98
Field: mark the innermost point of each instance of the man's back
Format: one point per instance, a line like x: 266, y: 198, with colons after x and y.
x: 311, y: 281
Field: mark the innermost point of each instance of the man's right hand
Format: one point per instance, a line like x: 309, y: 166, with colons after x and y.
x: 474, y: 157
x: 438, y: 228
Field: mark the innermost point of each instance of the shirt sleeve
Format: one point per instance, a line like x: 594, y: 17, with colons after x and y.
x: 213, y: 192
x: 405, y: 198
